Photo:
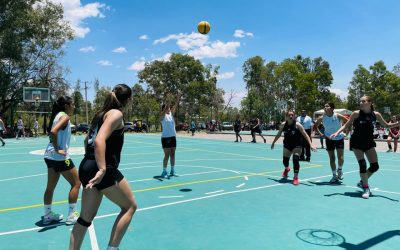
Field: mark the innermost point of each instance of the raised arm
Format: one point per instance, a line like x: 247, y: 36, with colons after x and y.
x: 278, y: 134
x: 347, y: 125
x: 384, y: 123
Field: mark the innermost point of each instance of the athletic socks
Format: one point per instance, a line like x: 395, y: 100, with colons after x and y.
x: 71, y: 208
x: 47, y: 209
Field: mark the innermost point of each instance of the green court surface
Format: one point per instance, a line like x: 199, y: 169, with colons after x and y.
x: 227, y: 196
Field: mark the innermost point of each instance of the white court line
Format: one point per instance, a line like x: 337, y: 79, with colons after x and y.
x: 185, y: 166
x: 93, y: 238
x: 172, y: 196
x: 376, y: 190
x: 214, y: 192
x: 241, y: 185
x: 171, y: 204
x: 181, y: 175
x: 13, y: 162
x: 23, y: 177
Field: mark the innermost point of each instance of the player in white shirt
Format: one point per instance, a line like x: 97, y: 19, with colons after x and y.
x: 332, y: 122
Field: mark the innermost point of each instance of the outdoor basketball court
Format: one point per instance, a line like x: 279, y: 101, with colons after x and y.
x: 227, y: 196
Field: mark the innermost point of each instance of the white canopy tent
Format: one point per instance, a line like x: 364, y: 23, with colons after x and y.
x: 339, y: 111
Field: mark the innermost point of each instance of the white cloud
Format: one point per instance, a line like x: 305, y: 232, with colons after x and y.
x: 342, y: 93
x: 120, y: 50
x: 216, y: 49
x: 198, y: 46
x: 75, y: 13
x: 104, y: 63
x: 242, y: 33
x: 164, y: 57
x: 226, y: 75
x: 143, y: 37
x: 87, y: 49
x: 185, y: 41
x: 137, y: 66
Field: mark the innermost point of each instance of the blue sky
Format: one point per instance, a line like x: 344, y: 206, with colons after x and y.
x: 114, y: 38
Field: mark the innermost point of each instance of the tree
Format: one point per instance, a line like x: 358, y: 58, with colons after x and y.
x: 32, y: 33
x: 380, y: 84
x: 182, y: 79
x: 359, y: 86
x: 78, y: 99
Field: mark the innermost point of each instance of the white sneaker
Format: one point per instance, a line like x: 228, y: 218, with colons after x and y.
x: 72, y: 218
x: 340, y: 174
x: 366, y: 193
x: 50, y: 217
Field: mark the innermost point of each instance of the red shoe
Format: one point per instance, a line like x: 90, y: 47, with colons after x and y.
x: 285, y: 172
x: 295, y: 181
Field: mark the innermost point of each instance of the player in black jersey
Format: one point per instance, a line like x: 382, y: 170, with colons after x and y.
x: 292, y: 144
x: 255, y: 127
x: 237, y: 127
x: 362, y: 140
x: 99, y: 172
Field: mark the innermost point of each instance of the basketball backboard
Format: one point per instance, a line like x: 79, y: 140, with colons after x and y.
x: 33, y: 94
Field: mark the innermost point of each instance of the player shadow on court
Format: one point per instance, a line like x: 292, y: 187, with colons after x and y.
x: 328, y: 238
x: 50, y: 226
x: 326, y: 183
x: 160, y: 178
x: 287, y: 181
x: 358, y: 194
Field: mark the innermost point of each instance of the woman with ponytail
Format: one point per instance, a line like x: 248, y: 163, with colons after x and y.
x: 362, y: 140
x: 99, y: 172
x: 59, y: 162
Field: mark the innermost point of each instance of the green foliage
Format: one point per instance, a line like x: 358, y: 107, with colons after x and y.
x: 380, y: 84
x: 182, y: 81
x: 300, y: 83
x: 32, y: 34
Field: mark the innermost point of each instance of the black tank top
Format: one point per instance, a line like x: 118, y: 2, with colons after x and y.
x: 114, y: 145
x: 364, y: 125
x: 292, y: 135
x: 237, y: 124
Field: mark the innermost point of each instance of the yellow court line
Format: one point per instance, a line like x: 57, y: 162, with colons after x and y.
x: 167, y: 186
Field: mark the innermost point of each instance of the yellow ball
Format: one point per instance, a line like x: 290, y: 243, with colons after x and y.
x: 203, y: 27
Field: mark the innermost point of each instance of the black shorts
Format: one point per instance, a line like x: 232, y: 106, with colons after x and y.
x: 60, y: 166
x: 290, y: 147
x: 362, y: 145
x: 334, y: 144
x: 168, y: 142
x: 256, y: 130
x: 88, y: 169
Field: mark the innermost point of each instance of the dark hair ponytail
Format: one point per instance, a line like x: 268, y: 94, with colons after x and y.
x: 116, y: 99
x: 58, y: 106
